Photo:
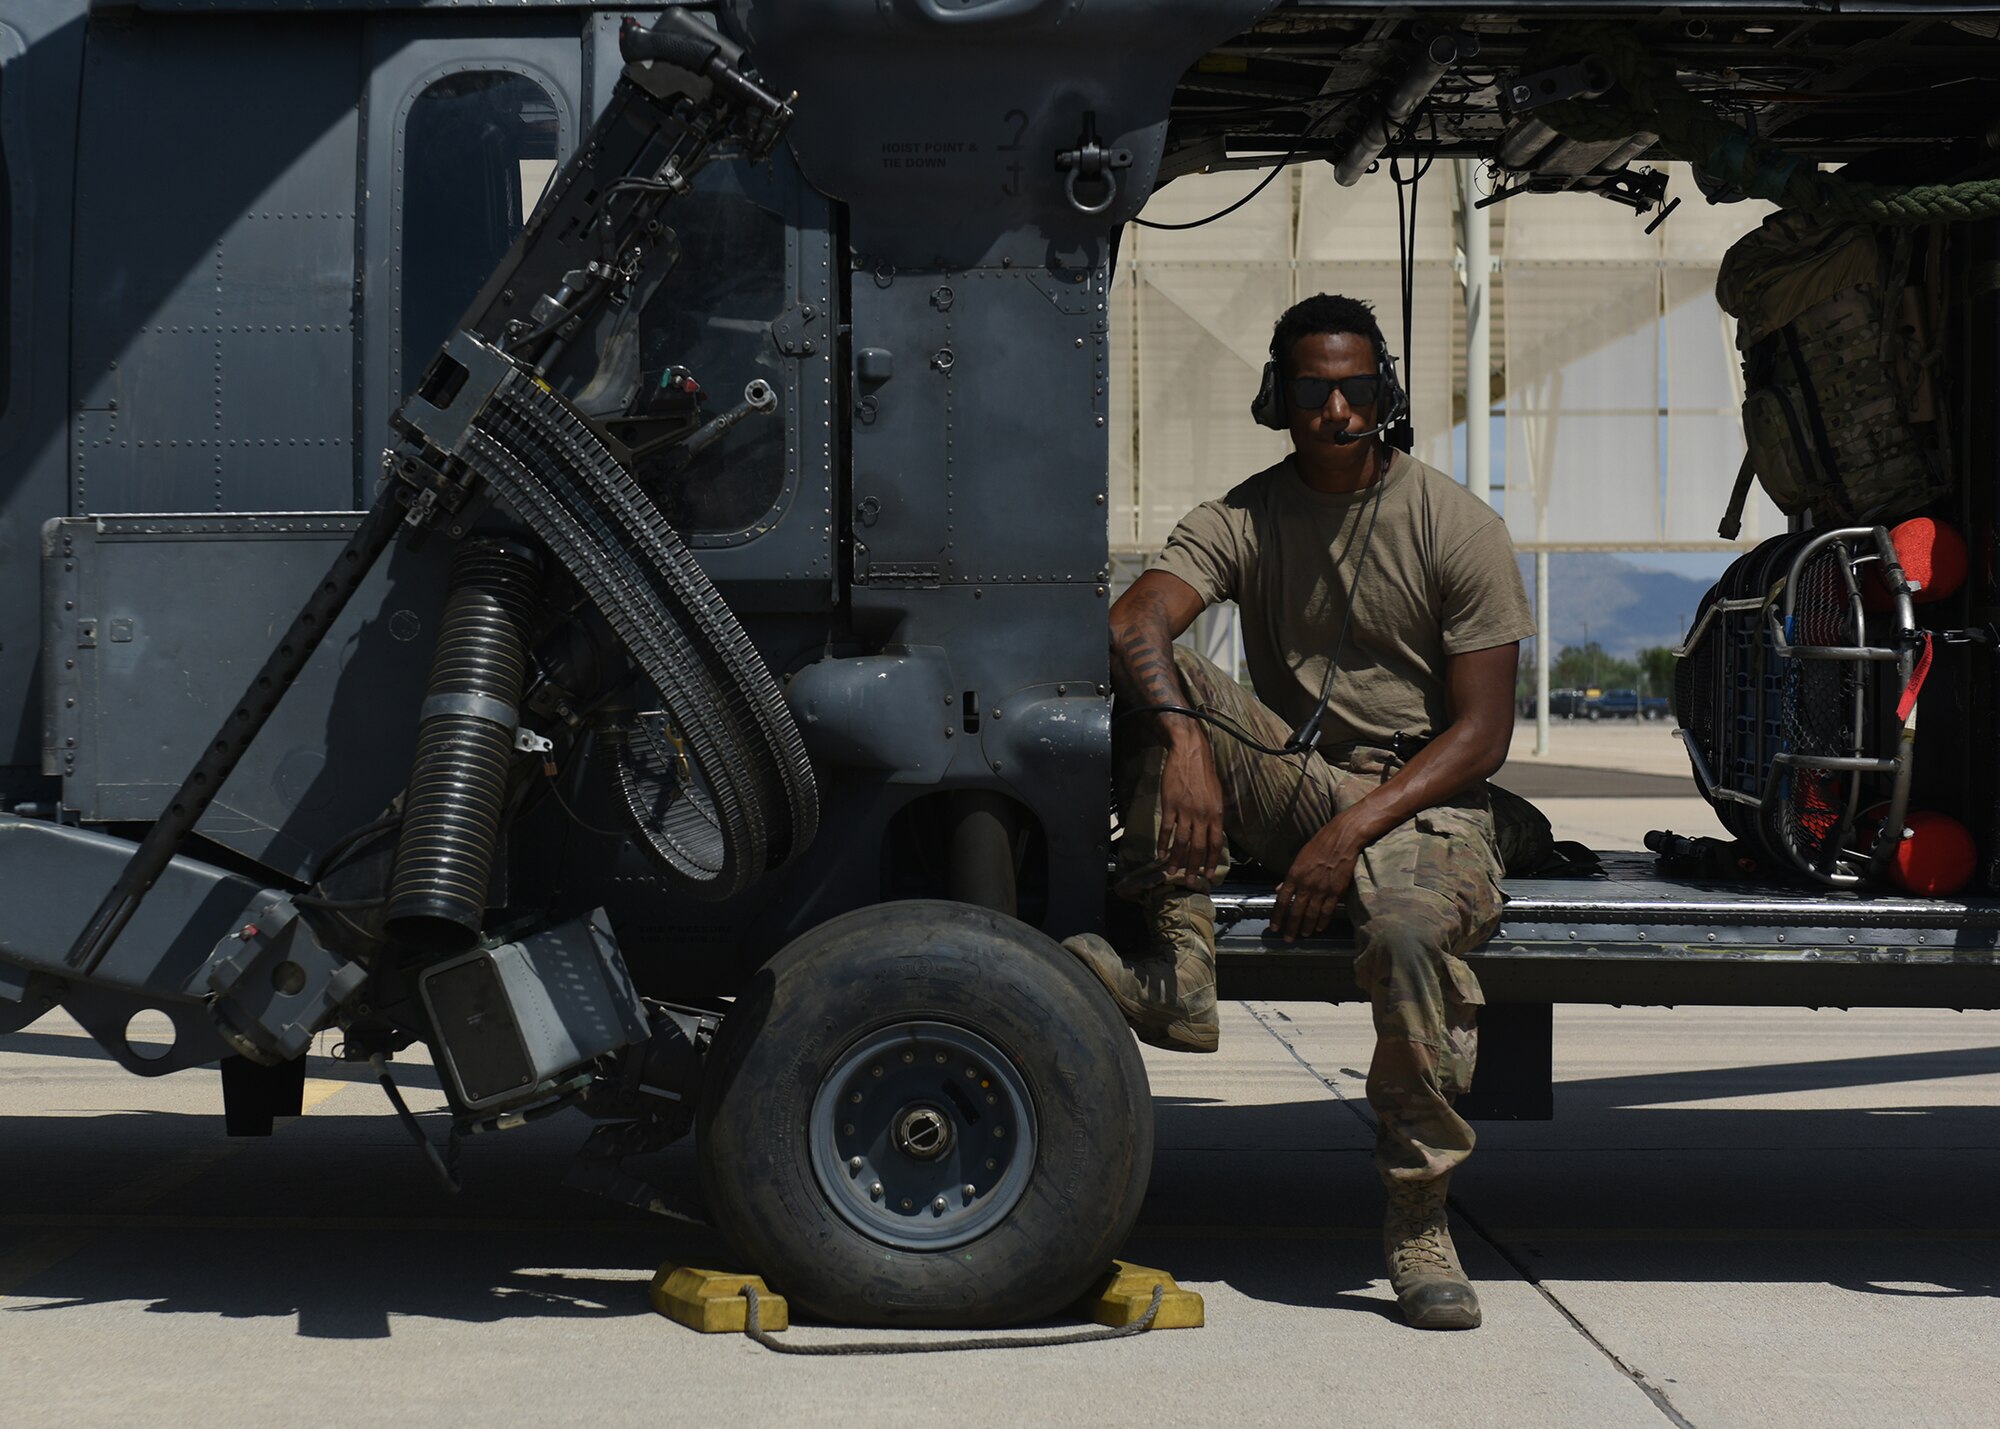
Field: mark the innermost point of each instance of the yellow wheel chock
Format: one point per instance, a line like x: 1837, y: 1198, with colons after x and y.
x: 712, y: 1302
x: 1123, y: 1294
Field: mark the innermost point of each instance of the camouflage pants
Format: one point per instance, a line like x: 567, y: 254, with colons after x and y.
x: 1423, y: 894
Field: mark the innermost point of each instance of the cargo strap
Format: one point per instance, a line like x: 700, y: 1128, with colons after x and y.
x: 1907, y: 701
x: 1739, y: 494
x: 754, y: 1328
x: 1822, y: 444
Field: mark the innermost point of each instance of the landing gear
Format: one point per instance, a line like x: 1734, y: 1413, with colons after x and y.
x: 925, y: 1113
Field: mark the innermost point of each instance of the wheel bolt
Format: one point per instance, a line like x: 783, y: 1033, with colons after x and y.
x: 970, y: 1190
x: 992, y: 1100
x: 940, y: 1059
x: 876, y: 1073
x: 854, y: 1163
x: 972, y: 1072
x: 991, y: 1164
x: 856, y: 1098
x: 847, y: 1130
x: 906, y: 1203
x: 999, y: 1131
x: 875, y: 1192
x: 937, y: 1206
x: 909, y: 1056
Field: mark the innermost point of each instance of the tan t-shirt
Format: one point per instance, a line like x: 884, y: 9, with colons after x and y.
x: 1439, y: 579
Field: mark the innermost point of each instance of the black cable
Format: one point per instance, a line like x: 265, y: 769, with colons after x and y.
x: 580, y: 821
x: 1221, y: 722
x: 1407, y: 253
x: 336, y: 852
x: 1331, y: 98
x: 1305, y: 738
x: 1406, y: 235
x: 753, y: 1326
x: 337, y: 905
x: 1262, y: 184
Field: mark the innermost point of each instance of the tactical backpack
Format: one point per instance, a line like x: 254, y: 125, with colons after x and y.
x: 1837, y: 400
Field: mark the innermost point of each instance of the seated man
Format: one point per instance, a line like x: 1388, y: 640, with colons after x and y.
x: 1380, y: 604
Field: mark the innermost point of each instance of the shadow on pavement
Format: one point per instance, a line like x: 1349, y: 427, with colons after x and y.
x: 1624, y: 1186
x: 336, y: 1222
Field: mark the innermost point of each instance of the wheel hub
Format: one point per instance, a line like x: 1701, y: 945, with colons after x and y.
x: 923, y: 1132
x: 922, y: 1135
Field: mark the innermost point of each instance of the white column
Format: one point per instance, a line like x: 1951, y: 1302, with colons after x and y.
x: 1476, y: 241
x: 1541, y: 652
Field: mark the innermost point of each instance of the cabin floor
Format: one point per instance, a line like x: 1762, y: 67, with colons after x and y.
x: 1636, y: 936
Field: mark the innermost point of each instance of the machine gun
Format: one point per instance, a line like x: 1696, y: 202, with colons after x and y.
x: 497, y: 447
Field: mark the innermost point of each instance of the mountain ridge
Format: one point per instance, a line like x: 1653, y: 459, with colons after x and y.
x: 1623, y: 607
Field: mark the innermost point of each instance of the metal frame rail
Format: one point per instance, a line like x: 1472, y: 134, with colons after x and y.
x: 1635, y: 937
x: 1835, y: 863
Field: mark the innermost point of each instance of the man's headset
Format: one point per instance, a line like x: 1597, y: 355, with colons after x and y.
x: 1268, y: 407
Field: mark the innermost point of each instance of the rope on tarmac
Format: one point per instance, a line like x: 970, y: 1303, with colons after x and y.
x: 753, y: 1327
x: 1651, y: 99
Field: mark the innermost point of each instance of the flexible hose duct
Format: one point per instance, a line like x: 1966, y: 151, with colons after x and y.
x: 465, y: 745
x: 734, y: 796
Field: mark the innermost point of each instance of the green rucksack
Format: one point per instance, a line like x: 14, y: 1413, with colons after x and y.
x: 1836, y: 373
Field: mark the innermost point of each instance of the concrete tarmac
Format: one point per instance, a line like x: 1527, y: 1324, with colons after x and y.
x: 1605, y: 783
x: 1613, y: 745
x: 1737, y: 1218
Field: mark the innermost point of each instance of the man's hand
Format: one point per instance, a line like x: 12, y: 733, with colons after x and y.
x: 1191, y: 837
x: 1318, y: 879
x: 1480, y: 684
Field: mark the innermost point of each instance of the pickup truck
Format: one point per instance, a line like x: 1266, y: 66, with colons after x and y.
x: 1624, y: 704
x: 1563, y: 704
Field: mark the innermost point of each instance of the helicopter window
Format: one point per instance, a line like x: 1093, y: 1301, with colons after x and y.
x: 712, y: 315
x: 478, y: 149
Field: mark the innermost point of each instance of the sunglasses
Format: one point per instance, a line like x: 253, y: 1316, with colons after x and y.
x: 1309, y: 394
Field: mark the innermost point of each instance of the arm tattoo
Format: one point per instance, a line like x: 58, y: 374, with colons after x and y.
x: 1142, y: 657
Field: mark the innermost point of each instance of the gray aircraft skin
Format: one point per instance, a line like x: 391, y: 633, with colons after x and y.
x: 853, y: 352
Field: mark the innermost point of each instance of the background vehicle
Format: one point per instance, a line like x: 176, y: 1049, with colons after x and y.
x: 878, y: 610
x: 1563, y: 704
x: 1622, y: 704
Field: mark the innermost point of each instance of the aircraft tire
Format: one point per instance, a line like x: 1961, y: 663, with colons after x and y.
x: 885, y: 1062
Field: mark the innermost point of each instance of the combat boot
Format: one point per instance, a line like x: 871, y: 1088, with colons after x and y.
x: 1430, y: 1285
x: 1169, y: 994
